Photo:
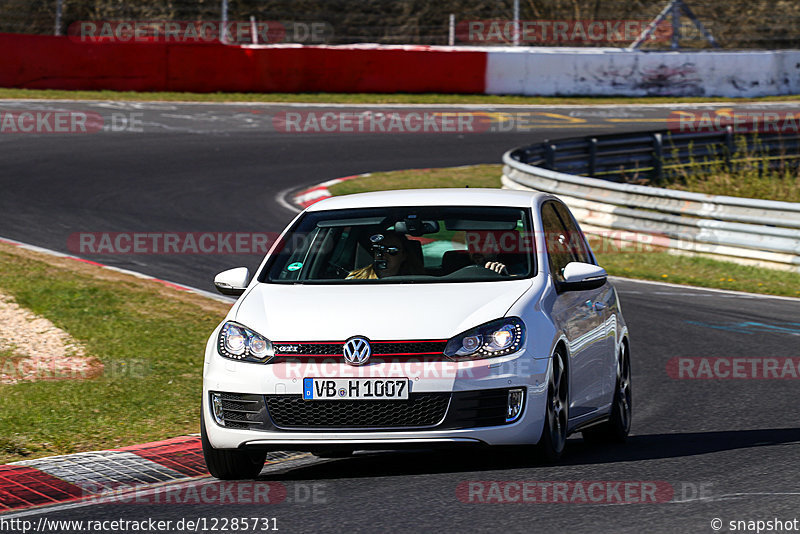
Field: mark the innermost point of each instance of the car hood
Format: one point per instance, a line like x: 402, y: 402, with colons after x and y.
x: 379, y: 312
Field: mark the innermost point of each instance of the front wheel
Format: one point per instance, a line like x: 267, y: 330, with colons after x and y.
x: 618, y: 426
x: 230, y: 464
x: 554, y: 436
x: 333, y: 453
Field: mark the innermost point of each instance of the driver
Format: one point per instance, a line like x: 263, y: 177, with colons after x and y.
x: 488, y: 261
x: 393, y: 259
x: 484, y: 248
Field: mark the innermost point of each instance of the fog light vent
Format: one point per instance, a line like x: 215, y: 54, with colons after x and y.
x: 515, y: 400
x: 216, y: 409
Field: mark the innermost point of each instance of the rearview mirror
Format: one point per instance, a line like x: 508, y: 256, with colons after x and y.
x: 232, y: 282
x: 579, y: 276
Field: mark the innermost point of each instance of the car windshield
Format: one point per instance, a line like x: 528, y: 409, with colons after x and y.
x: 406, y: 245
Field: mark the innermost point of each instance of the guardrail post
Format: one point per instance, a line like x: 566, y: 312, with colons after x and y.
x: 592, y: 156
x: 550, y: 156
x: 658, y: 154
x: 729, y: 144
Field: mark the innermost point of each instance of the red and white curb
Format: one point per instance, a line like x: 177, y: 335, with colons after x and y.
x: 72, y: 478
x: 85, y: 475
x: 319, y: 192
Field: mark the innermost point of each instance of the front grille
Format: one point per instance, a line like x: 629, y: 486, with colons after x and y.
x: 442, y: 411
x: 379, y: 348
x: 420, y: 410
x: 243, y: 411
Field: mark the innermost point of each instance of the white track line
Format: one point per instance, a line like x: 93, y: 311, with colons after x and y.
x: 742, y: 294
x: 486, y: 105
x: 168, y: 283
x: 280, y: 198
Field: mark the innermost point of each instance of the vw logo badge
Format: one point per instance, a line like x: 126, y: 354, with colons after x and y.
x: 356, y: 350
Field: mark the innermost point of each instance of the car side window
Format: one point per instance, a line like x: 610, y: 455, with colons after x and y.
x: 576, y: 240
x: 556, y: 241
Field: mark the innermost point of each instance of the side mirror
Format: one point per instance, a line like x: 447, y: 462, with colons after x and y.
x: 233, y: 281
x: 580, y: 276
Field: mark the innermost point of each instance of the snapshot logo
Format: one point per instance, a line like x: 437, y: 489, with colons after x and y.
x: 199, y: 32
x: 733, y: 368
x: 171, y: 242
x: 564, y: 492
x: 67, y: 122
x: 558, y: 31
x: 739, y: 121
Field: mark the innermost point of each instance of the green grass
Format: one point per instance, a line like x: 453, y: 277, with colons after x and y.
x: 699, y: 271
x: 747, y: 184
x: 643, y: 264
x: 472, y: 176
x: 150, y: 340
x: 366, y: 98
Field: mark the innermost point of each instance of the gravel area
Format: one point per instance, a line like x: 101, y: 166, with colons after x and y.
x: 33, y: 348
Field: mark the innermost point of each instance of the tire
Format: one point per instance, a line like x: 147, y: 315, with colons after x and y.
x: 333, y: 453
x: 230, y: 464
x: 618, y: 426
x: 554, y: 436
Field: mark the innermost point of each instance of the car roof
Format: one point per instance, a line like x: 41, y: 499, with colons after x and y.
x: 431, y: 197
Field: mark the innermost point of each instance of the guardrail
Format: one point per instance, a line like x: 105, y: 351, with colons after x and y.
x: 744, y: 230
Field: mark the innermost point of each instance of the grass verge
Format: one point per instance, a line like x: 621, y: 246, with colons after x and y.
x: 748, y: 182
x: 472, y: 176
x: 367, y: 98
x: 647, y: 265
x: 150, y: 339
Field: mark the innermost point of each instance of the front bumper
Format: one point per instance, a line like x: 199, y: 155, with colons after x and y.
x: 285, y: 380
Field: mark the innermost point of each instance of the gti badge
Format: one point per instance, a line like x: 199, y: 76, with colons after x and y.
x: 356, y: 350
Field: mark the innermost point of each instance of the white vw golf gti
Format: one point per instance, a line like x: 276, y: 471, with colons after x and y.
x: 417, y: 319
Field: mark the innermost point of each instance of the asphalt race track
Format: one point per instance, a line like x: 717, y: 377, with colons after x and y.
x: 728, y: 449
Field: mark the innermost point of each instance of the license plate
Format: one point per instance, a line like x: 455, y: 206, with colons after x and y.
x: 355, y: 388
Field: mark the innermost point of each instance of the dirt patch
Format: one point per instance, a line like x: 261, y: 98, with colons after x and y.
x: 33, y: 348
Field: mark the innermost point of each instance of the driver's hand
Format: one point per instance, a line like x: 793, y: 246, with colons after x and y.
x: 497, y: 267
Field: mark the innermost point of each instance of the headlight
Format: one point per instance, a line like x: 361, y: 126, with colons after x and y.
x: 495, y: 338
x: 240, y: 343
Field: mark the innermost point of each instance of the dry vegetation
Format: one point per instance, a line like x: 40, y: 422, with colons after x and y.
x: 735, y: 23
